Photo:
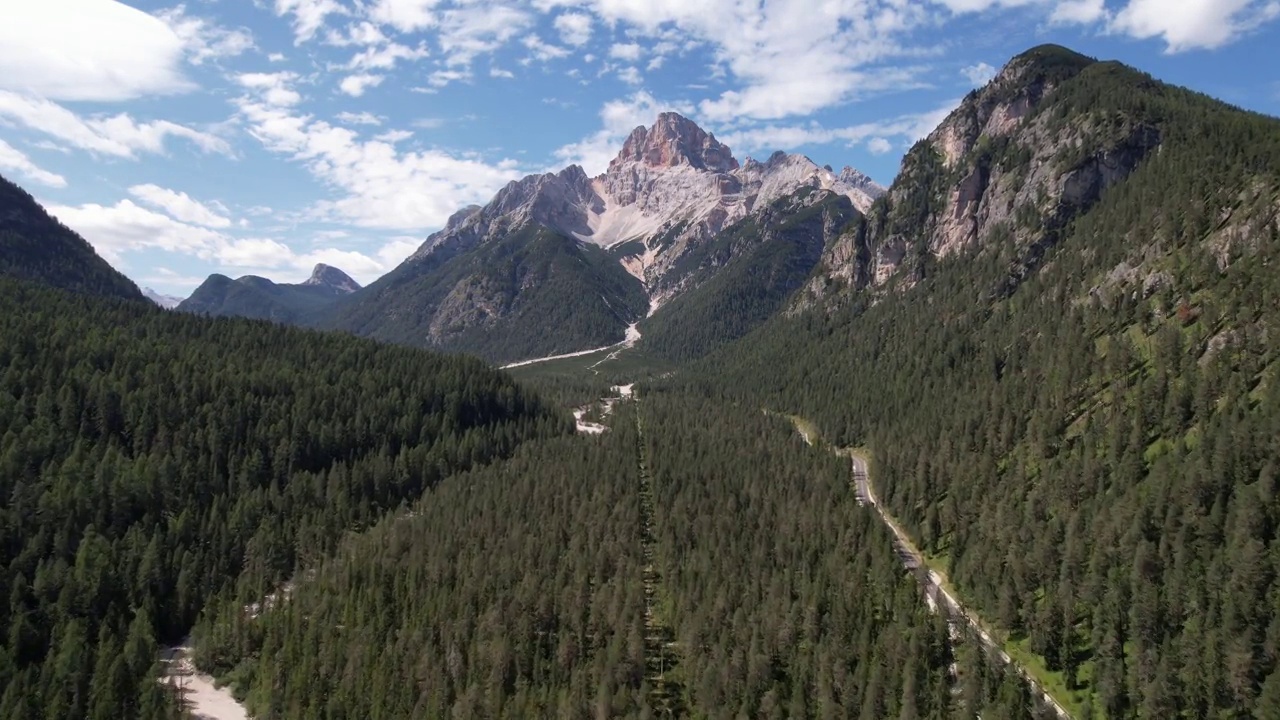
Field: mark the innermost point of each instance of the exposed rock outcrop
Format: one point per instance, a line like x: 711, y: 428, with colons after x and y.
x: 996, y: 167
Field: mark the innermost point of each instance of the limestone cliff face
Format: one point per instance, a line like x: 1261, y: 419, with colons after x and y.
x: 1001, y: 165
x: 672, y: 188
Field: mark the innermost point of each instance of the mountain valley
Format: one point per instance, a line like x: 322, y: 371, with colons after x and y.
x: 755, y: 439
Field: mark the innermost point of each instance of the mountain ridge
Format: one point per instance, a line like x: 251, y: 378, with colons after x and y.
x: 257, y: 297
x: 35, y: 246
x: 671, y: 189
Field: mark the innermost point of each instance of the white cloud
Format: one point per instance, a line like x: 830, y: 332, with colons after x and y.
x: 203, y: 39
x: 497, y: 72
x: 788, y: 57
x: 630, y: 75
x: 308, y: 15
x: 574, y: 28
x: 393, y: 136
x: 440, y: 78
x: 13, y: 159
x: 88, y: 50
x: 274, y: 87
x: 376, y: 185
x: 180, y: 206
x: 397, y: 250
x: 276, y: 57
x: 1082, y: 12
x: 357, y: 33
x: 543, y: 51
x: 360, y: 118
x: 405, y: 15
x: 629, y: 52
x: 123, y: 228
x: 471, y: 30
x: 119, y: 135
x: 908, y: 128
x: 117, y: 229
x: 355, y: 85
x: 618, y: 118
x: 1193, y: 24
x: 979, y: 74
x: 879, y: 146
x: 386, y: 57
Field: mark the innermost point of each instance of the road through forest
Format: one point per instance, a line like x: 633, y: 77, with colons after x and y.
x: 935, y: 589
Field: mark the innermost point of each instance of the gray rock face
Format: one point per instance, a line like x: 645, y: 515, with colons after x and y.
x: 672, y: 187
x: 333, y: 278
x: 164, y: 301
x: 994, y: 167
x: 675, y: 140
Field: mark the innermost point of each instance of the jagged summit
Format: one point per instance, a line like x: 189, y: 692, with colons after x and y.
x: 672, y: 141
x: 332, y: 277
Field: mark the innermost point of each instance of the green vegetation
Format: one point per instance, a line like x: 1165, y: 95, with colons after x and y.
x: 260, y: 299
x: 36, y: 247
x: 744, y: 275
x: 152, y: 460
x: 1077, y: 418
x: 530, y: 294
x: 1092, y: 449
x: 519, y: 590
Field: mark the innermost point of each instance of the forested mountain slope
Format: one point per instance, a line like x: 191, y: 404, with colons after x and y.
x: 1075, y: 405
x: 150, y: 461
x: 35, y: 246
x: 692, y: 560
x: 746, y: 273
x: 534, y: 292
x: 562, y: 262
x: 261, y: 299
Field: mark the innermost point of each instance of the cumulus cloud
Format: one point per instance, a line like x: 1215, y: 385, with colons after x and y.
x: 117, y: 230
x: 541, y: 50
x: 979, y: 74
x: 118, y: 135
x: 1082, y: 12
x: 879, y: 146
x: 908, y: 128
x: 88, y: 50
x: 468, y: 31
x: 405, y: 15
x: 630, y: 76
x: 629, y: 52
x: 14, y: 160
x: 308, y: 15
x: 276, y: 88
x: 786, y: 57
x: 376, y: 185
x: 356, y: 85
x: 180, y: 206
x: 1194, y: 24
x: 204, y: 39
x: 360, y: 118
x: 574, y: 28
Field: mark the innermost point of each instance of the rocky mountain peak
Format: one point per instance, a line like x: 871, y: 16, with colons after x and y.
x: 858, y: 179
x: 675, y: 140
x: 332, y: 277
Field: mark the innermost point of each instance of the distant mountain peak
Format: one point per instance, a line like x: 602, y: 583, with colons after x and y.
x: 332, y: 277
x: 675, y: 140
x: 164, y: 301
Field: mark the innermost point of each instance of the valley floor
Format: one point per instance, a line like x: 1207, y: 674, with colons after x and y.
x: 632, y: 337
x: 202, y: 699
x: 932, y: 583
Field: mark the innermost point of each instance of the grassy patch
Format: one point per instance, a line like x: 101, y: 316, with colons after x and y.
x: 1052, y: 681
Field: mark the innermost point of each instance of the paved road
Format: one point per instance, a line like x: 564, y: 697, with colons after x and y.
x: 910, y: 557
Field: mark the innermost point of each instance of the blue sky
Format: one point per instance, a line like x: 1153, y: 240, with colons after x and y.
x: 262, y: 137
